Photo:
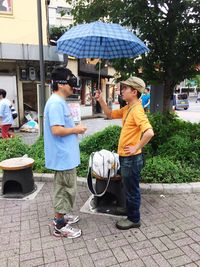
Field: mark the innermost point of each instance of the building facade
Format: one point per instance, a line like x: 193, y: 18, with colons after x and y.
x: 60, y: 13
x: 19, y: 54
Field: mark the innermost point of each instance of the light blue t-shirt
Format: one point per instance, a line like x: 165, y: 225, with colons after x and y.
x: 61, y: 152
x: 5, y: 112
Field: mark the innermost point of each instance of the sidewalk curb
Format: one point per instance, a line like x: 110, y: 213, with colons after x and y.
x: 183, y: 188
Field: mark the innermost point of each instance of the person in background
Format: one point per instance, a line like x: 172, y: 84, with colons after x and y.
x: 198, y: 98
x: 135, y: 134
x: 62, y: 151
x: 146, y: 100
x: 6, y: 119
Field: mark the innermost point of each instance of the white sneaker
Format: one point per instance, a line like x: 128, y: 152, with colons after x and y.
x: 67, y: 231
x: 69, y: 219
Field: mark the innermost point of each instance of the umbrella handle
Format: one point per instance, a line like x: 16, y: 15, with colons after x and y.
x: 99, y: 74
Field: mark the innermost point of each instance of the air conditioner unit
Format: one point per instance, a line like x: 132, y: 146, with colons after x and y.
x: 23, y: 74
x: 32, y: 74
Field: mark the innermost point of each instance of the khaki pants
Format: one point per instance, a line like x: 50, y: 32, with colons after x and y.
x: 64, y: 190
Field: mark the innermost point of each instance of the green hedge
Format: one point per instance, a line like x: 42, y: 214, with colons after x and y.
x: 172, y: 156
x: 37, y: 153
x: 106, y: 139
x: 11, y: 148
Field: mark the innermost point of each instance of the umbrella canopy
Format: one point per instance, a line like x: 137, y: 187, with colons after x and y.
x: 100, y: 40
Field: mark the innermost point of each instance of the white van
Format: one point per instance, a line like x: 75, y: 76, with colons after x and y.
x: 180, y: 101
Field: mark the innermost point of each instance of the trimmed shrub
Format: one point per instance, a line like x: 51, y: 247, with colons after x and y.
x: 161, y: 170
x: 83, y: 168
x: 164, y: 127
x: 165, y: 170
x: 106, y: 139
x: 37, y: 153
x: 12, y: 147
x: 177, y: 147
x: 172, y: 156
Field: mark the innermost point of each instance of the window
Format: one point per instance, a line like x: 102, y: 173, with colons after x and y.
x: 63, y: 11
x: 182, y: 96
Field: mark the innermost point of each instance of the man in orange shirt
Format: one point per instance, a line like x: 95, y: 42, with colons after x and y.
x: 135, y: 134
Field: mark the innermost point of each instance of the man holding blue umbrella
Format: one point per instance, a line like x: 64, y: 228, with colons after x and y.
x: 135, y: 134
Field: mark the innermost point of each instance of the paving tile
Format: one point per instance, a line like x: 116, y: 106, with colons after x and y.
x: 160, y: 260
x: 108, y: 261
x: 149, y: 261
x: 119, y: 254
x: 86, y: 261
x: 101, y: 255
x: 168, y: 243
x: 135, y: 263
x: 31, y: 255
x: 190, y: 265
x: 194, y: 234
x: 130, y: 252
x: 146, y: 252
x: 49, y: 255
x: 197, y: 263
x: 158, y: 244
x: 196, y: 247
x: 190, y: 253
x: 141, y: 245
x: 77, y: 253
x: 118, y: 243
x: 57, y: 264
x: 172, y: 253
x: 179, y: 261
x: 75, y: 262
x: 101, y: 243
x: 32, y: 262
x: 184, y: 241
x: 60, y: 253
x: 164, y: 239
x: 4, y: 262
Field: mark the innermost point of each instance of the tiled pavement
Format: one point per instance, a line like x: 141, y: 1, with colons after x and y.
x: 169, y: 235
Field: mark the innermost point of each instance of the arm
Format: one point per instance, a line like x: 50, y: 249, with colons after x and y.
x: 103, y: 104
x: 1, y: 114
x: 147, y: 104
x: 146, y: 137
x: 57, y: 122
x: 142, y: 122
x: 62, y: 131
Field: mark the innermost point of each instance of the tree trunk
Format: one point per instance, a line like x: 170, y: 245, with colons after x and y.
x: 168, y: 96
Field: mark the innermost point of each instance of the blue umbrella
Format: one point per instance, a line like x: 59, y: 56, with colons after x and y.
x: 100, y: 40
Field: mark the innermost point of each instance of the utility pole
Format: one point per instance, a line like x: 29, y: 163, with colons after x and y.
x: 42, y: 73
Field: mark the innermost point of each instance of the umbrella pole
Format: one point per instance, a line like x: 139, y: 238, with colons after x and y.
x: 99, y: 74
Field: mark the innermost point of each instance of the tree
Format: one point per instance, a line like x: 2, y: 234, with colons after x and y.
x: 197, y: 80
x: 55, y: 33
x: 171, y: 29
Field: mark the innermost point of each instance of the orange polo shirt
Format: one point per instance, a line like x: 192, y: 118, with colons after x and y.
x: 135, y: 124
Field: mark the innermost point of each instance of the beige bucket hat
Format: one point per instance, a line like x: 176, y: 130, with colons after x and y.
x: 135, y: 83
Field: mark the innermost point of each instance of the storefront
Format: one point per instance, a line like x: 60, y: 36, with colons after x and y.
x: 20, y: 75
x: 89, y: 84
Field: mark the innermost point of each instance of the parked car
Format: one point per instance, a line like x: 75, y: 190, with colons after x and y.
x: 180, y: 101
